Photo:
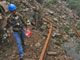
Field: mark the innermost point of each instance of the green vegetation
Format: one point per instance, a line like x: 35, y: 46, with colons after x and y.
x: 74, y: 4
x: 59, y: 36
x: 66, y: 28
x: 49, y: 3
x: 78, y: 26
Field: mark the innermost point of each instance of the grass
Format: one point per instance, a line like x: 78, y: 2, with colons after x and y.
x: 74, y: 4
x: 78, y: 26
x: 66, y: 28
x: 49, y: 3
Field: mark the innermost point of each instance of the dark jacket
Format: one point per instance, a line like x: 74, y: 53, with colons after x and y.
x: 16, y: 21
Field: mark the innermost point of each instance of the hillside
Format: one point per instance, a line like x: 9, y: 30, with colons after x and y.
x: 63, y: 20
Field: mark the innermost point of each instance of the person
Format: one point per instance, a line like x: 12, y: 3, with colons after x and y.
x: 16, y: 21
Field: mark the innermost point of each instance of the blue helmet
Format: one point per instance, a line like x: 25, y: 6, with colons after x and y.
x: 12, y: 7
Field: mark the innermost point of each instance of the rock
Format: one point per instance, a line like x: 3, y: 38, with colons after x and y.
x: 43, y: 27
x: 0, y: 17
x: 44, y: 23
x: 44, y: 38
x: 54, y: 40
x: 55, y: 19
x: 57, y: 34
x: 51, y: 53
x: 57, y: 43
x: 6, y: 54
x: 66, y: 37
x: 64, y: 16
x: 31, y: 45
x: 48, y: 26
x: 37, y: 44
x: 4, y: 4
x: 59, y: 1
x: 60, y: 58
x: 24, y: 1
x: 53, y: 35
x: 50, y: 12
x: 25, y: 10
x: 40, y: 1
x: 45, y: 35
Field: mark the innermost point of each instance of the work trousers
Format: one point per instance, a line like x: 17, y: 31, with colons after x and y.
x: 19, y: 37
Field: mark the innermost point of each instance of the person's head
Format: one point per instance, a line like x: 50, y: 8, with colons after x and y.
x: 12, y: 8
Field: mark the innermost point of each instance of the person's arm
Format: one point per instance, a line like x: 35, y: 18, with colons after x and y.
x: 23, y: 21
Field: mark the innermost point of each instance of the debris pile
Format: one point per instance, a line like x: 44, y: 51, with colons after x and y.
x: 63, y: 20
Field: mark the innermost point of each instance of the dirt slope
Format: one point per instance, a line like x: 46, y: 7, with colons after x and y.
x: 63, y: 20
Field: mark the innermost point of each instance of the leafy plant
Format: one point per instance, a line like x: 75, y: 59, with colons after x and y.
x: 66, y: 29
x: 49, y: 3
x: 78, y: 26
x: 74, y: 4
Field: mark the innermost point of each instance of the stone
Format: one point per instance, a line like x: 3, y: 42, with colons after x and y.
x: 0, y: 17
x: 40, y: 1
x: 44, y: 23
x: 24, y: 10
x: 4, y: 4
x: 24, y: 1
x: 55, y: 19
x: 44, y: 38
x: 43, y: 26
x: 31, y: 45
x: 37, y: 44
x: 50, y: 12
x: 64, y: 16
x: 48, y: 26
x: 53, y: 35
x: 51, y: 53
x: 59, y: 1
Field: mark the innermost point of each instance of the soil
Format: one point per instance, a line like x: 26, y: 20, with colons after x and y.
x: 32, y: 50
x: 62, y: 18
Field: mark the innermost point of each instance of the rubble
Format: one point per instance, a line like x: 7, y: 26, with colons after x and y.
x: 37, y: 44
x: 4, y: 4
x: 60, y: 16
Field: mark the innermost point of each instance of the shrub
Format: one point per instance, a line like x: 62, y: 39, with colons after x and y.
x: 49, y: 3
x: 74, y: 4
